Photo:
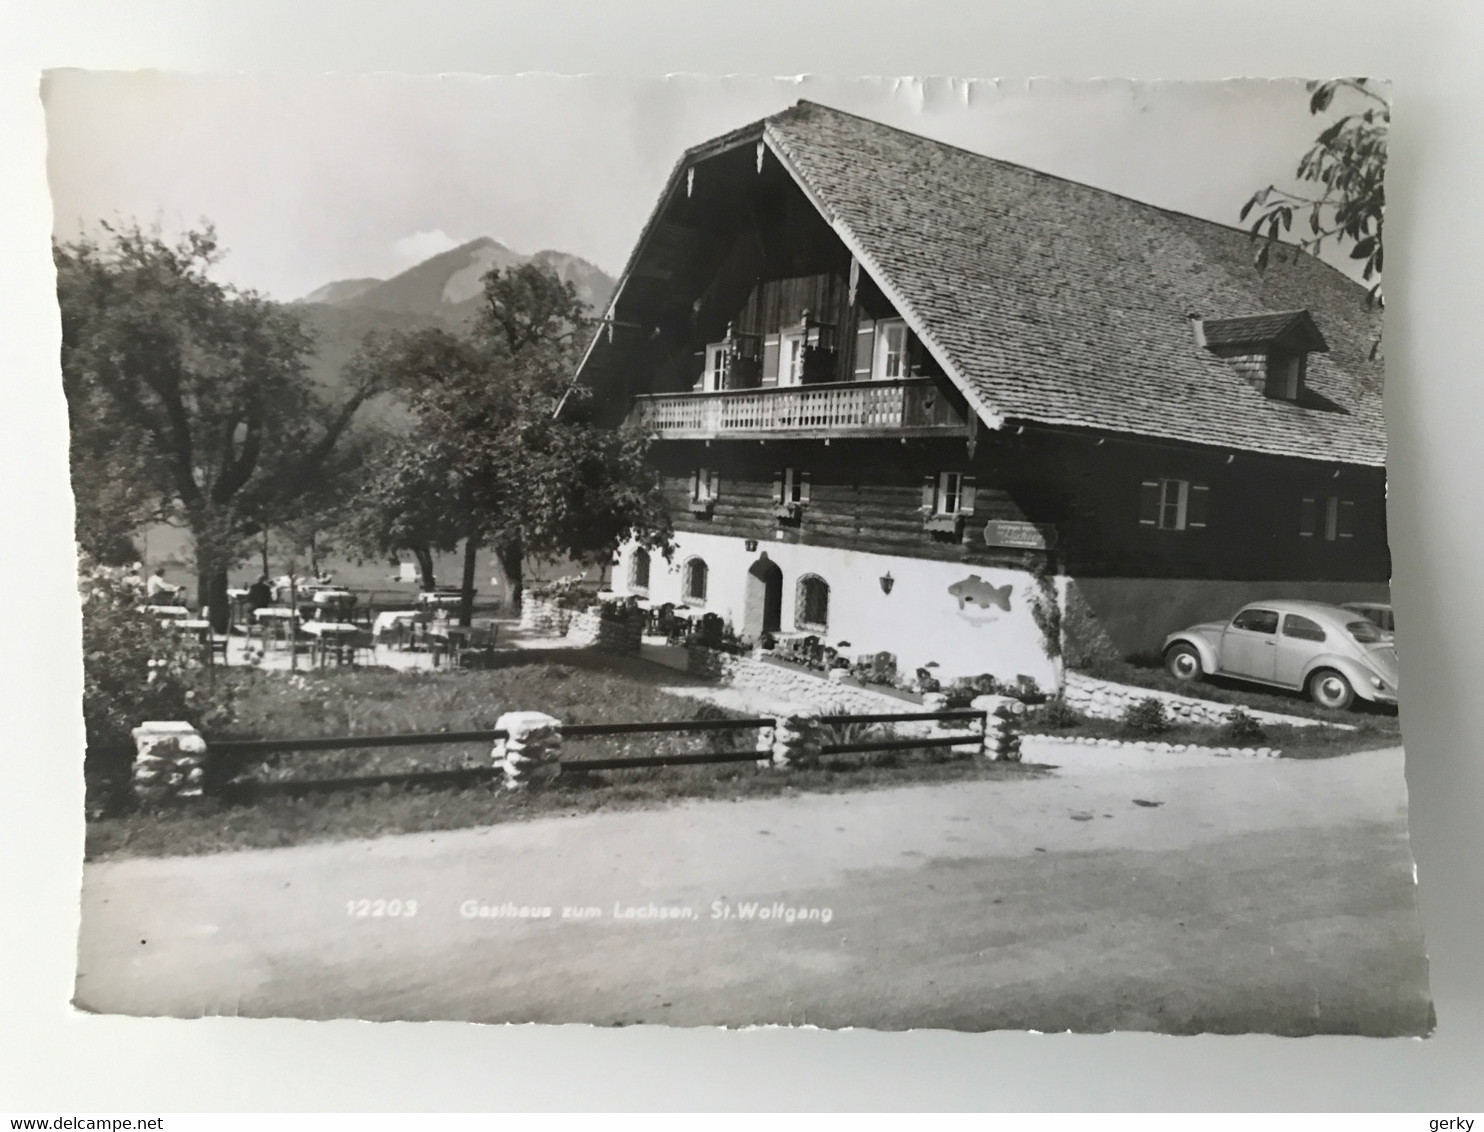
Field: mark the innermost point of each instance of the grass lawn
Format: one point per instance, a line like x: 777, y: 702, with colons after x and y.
x: 348, y: 702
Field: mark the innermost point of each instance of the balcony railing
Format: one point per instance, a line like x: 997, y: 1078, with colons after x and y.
x: 905, y: 406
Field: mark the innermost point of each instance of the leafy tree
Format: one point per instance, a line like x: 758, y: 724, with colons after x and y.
x: 1347, y: 167
x: 409, y: 500
x: 489, y: 459
x: 189, y: 396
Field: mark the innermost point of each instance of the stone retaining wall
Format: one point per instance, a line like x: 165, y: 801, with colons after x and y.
x: 1104, y: 699
x: 785, y: 684
x: 1163, y: 748
x: 583, y: 628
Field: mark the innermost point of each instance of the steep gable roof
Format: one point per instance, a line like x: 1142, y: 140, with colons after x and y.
x: 1052, y: 302
x: 1059, y: 303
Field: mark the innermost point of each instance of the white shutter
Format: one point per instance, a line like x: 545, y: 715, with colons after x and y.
x: 966, y: 496
x: 865, y: 349
x: 1198, y: 507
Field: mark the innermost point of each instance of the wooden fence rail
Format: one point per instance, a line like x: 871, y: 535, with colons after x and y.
x: 239, y: 750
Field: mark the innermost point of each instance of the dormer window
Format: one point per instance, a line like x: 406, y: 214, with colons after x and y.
x: 1270, y: 350
x: 1285, y: 375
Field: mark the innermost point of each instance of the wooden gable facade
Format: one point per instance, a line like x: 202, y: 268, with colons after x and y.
x: 796, y: 403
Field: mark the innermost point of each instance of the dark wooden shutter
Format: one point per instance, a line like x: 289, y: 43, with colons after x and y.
x: 695, y: 484
x: 1149, y: 503
x: 865, y: 350
x: 715, y: 483
x: 770, y: 361
x: 1197, y: 507
x: 1308, y: 517
x: 1345, y: 521
x: 929, y: 492
x: 778, y: 488
x: 966, y: 496
x: 803, y: 486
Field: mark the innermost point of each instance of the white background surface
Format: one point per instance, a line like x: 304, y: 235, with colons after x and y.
x: 54, y: 1061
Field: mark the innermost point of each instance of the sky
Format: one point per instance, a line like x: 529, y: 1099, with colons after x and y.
x: 310, y: 179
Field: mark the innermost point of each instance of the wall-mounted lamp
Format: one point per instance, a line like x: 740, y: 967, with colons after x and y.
x: 751, y: 545
x: 887, y: 581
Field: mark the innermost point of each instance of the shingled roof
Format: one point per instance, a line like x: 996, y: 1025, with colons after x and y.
x: 1286, y: 328
x: 1055, y: 303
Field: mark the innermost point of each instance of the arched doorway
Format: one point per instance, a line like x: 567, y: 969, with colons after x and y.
x: 763, y: 609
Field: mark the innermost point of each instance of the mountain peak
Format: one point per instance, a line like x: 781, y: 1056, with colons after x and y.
x: 446, y: 285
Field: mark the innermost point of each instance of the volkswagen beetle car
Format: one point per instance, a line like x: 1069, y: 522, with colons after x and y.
x: 1333, y: 654
x: 1378, y: 613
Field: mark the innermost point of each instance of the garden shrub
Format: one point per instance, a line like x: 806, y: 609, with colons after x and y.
x: 1147, y: 717
x: 135, y: 669
x: 570, y: 592
x: 1239, y: 727
x: 1056, y: 714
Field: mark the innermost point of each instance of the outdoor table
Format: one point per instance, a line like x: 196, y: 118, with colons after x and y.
x: 391, y: 621
x: 169, y: 611
x: 445, y: 638
x: 272, y: 617
x: 439, y: 600
x: 328, y: 635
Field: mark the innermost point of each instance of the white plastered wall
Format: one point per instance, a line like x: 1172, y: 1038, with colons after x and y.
x: 919, y: 620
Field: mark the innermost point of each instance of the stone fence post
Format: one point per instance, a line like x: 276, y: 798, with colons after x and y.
x: 531, y: 748
x: 796, y: 735
x: 1002, y: 720
x: 169, y: 761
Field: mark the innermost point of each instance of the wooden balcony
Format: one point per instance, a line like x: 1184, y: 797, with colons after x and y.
x: 905, y: 407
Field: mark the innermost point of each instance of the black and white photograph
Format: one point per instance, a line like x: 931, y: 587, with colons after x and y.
x: 885, y: 554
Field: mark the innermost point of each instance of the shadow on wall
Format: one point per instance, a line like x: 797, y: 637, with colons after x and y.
x: 1134, y: 615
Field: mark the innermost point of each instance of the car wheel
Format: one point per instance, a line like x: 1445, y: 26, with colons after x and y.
x: 1183, y: 663
x: 1329, y: 689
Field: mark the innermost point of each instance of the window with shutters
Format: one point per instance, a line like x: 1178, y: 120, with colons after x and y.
x: 705, y: 486
x: 891, y: 350
x: 791, y: 358
x: 1173, y: 505
x: 695, y: 577
x: 790, y: 493
x: 947, y: 499
x: 1328, y: 518
x: 812, y: 607
x: 718, y: 363
x: 639, y: 571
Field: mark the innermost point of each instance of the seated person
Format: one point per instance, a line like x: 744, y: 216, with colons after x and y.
x: 157, y: 591
x: 259, y: 595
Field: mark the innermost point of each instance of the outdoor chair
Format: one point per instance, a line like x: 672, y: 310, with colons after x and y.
x: 478, y: 647
x: 361, y: 643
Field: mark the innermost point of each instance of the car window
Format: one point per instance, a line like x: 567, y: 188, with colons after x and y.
x: 1363, y: 631
x: 1302, y: 628
x: 1256, y: 621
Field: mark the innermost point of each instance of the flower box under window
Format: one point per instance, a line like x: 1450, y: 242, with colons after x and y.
x: 702, y: 507
x: 790, y: 512
x: 943, y: 524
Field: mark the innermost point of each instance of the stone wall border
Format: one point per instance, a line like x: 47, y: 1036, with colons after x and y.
x: 1106, y: 699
